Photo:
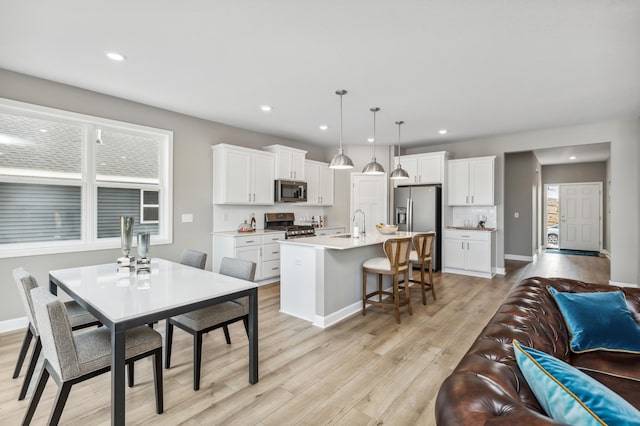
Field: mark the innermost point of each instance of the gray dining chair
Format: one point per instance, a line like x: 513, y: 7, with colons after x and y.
x: 194, y: 258
x: 204, y: 320
x: 78, y: 318
x: 73, y: 358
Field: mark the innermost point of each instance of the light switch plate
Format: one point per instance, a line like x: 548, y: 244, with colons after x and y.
x: 187, y: 218
x: 516, y: 214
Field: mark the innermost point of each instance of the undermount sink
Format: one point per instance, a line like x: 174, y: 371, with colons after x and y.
x: 342, y: 236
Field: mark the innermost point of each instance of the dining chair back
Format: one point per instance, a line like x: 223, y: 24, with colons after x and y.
x: 395, y: 263
x: 423, y: 256
x: 210, y: 318
x: 72, y: 359
x: 194, y: 258
x: 78, y: 317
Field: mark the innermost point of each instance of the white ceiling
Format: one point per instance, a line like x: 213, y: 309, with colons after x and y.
x: 581, y: 153
x: 477, y: 68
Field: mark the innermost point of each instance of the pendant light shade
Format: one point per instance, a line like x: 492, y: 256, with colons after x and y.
x: 373, y: 168
x: 399, y: 172
x: 340, y: 160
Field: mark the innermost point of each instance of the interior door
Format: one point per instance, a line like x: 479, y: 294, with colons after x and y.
x: 580, y: 216
x: 369, y: 194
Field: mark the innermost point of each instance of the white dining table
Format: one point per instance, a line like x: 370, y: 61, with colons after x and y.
x: 123, y: 300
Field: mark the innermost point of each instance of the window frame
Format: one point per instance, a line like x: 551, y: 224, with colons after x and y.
x: 89, y: 183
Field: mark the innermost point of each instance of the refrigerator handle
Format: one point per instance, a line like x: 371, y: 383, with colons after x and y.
x: 410, y: 227
x: 408, y: 214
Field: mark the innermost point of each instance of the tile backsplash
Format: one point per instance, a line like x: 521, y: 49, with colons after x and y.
x: 470, y: 216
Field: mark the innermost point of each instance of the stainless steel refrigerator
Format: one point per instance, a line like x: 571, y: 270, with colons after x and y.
x: 418, y: 209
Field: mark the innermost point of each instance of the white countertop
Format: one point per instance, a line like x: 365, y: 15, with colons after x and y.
x: 261, y: 232
x: 337, y: 243
x: 245, y: 234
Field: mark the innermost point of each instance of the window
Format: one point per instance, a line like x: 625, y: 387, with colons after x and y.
x: 66, y: 178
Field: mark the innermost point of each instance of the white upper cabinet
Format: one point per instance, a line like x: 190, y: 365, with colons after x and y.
x: 319, y: 183
x: 289, y: 162
x: 242, y: 175
x: 423, y: 169
x: 471, y: 181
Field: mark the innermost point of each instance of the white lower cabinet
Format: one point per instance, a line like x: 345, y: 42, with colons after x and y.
x: 469, y: 252
x: 262, y: 249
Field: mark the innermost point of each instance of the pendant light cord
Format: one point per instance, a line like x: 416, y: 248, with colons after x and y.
x: 341, y: 150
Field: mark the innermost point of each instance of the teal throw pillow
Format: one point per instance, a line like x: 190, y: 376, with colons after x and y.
x: 598, y: 321
x: 570, y: 396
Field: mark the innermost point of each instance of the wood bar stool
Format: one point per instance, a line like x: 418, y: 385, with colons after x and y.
x: 395, y: 263
x: 423, y: 256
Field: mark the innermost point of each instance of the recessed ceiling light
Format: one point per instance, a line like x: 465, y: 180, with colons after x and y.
x: 573, y: 157
x: 265, y: 108
x: 370, y: 140
x: 115, y: 56
x: 323, y: 127
x: 43, y: 130
x: 123, y: 157
x: 442, y: 131
x: 1, y: 153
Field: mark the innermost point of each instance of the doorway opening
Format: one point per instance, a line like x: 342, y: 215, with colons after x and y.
x: 573, y: 216
x: 552, y: 219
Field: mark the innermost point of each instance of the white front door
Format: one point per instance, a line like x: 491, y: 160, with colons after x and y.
x: 580, y: 216
x: 369, y: 194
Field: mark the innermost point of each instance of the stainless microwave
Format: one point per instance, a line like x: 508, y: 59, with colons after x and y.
x: 290, y: 191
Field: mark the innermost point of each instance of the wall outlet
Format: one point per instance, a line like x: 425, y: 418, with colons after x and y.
x: 516, y: 214
x: 187, y: 218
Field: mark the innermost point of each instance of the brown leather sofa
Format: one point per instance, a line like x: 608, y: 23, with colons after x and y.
x: 487, y: 386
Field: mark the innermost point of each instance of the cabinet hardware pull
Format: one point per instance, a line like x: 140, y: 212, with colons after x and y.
x: 462, y: 244
x: 466, y: 199
x: 254, y: 197
x: 274, y: 268
x: 247, y: 242
x: 465, y: 236
x: 275, y: 252
x: 249, y: 197
x: 472, y: 199
x: 467, y: 246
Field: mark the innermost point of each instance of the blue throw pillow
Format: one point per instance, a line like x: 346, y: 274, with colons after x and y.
x: 570, y: 396
x: 598, y: 321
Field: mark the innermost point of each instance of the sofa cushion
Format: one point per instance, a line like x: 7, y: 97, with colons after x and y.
x: 569, y: 395
x: 598, y: 321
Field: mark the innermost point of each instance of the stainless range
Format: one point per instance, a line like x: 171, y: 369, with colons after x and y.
x: 285, y: 222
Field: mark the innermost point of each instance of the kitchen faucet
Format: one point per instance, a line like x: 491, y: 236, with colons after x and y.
x: 364, y: 221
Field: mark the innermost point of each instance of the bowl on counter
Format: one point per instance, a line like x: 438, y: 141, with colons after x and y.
x: 387, y: 229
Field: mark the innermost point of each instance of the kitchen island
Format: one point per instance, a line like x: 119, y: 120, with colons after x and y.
x: 321, y: 277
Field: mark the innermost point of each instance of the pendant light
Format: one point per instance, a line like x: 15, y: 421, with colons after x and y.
x: 399, y: 172
x: 340, y: 160
x: 373, y: 168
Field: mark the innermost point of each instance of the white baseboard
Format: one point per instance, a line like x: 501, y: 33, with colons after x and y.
x: 501, y: 271
x: 13, y: 324
x: 518, y: 257
x: 606, y: 254
x: 336, y: 317
x: 619, y: 284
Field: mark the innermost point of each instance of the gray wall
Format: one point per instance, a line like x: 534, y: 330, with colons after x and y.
x: 192, y: 172
x: 520, y: 195
x: 581, y: 173
x: 624, y: 136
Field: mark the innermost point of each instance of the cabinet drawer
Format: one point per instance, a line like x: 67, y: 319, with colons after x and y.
x: 467, y: 235
x: 249, y: 240
x: 272, y: 237
x: 271, y: 252
x: 270, y: 268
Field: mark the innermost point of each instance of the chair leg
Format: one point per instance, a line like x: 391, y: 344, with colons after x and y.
x: 245, y: 320
x: 197, y: 359
x: 364, y: 293
x: 23, y: 352
x: 433, y: 287
x: 168, y: 343
x: 422, y: 285
x: 61, y: 400
x: 379, y: 287
x: 226, y: 334
x: 35, y: 399
x: 130, y: 373
x: 157, y: 380
x: 396, y: 296
x: 32, y: 366
x: 407, y: 295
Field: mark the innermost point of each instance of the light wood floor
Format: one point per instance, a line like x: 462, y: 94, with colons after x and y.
x: 364, y: 371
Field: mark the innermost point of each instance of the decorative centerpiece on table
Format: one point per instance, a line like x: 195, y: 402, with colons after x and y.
x: 386, y: 229
x: 144, y: 261
x: 126, y: 262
